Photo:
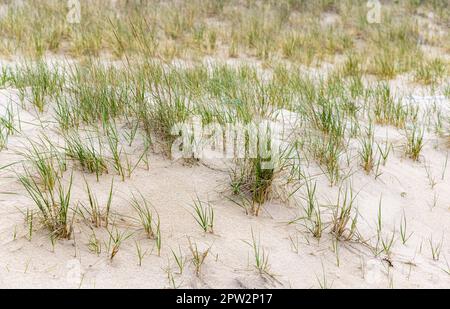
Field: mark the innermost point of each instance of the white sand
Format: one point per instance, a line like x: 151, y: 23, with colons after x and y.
x: 170, y: 186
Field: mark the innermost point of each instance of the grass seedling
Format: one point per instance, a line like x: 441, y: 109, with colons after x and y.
x: 97, y: 216
x: 335, y: 243
x: 343, y: 214
x: 444, y: 168
x: 15, y: 233
x: 323, y: 282
x: 403, y: 229
x: 294, y: 243
x: 130, y: 166
x: 158, y: 239
x: 384, y: 152
x: 180, y: 260
x: 29, y: 221
x: 113, y: 142
x: 198, y: 257
x: 93, y: 210
x: 311, y: 199
x: 171, y: 277
x: 4, y: 135
x: 378, y: 173
x: 431, y: 179
x: 147, y: 219
x: 434, y: 203
x: 94, y: 244
x: 316, y: 226
x: 131, y: 134
x: 379, y: 227
x: 7, y: 127
x: 366, y: 152
x: 435, y: 248
x: 447, y: 269
x: 312, y: 210
x: 204, y: 215
x: 116, y: 239
x: 388, y: 243
x: 140, y: 254
x: 327, y: 151
x: 414, y: 142
x: 261, y: 258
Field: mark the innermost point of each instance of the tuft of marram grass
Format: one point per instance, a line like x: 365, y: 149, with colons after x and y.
x: 86, y: 153
x: 414, y: 142
x: 53, y: 205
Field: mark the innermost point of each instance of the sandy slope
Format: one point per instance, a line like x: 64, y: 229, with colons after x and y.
x: 170, y: 186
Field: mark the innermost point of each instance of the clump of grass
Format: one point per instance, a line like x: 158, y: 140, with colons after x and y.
x: 327, y: 152
x: 384, y: 66
x: 53, y: 205
x: 204, y: 215
x: 352, y: 66
x: 311, y: 198
x: 395, y: 48
x: 96, y: 92
x: 447, y: 91
x: 261, y: 258
x: 66, y: 114
x: 430, y: 72
x: 87, y: 155
x: 46, y: 161
x: 180, y: 260
x: 313, y: 213
x: 170, y: 107
x: 94, y: 244
x: 141, y: 254
x: 414, y: 142
x: 116, y: 239
x: 366, y: 153
x: 252, y: 176
x: 97, y: 216
x: 7, y: 127
x: 387, y: 110
x: 384, y: 151
x: 344, y: 213
x: 263, y: 178
x: 116, y: 152
x: 435, y: 248
x: 249, y: 179
x: 148, y: 220
x: 5, y: 76
x: 317, y: 226
x: 198, y: 257
x: 387, y: 241
x: 44, y: 81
